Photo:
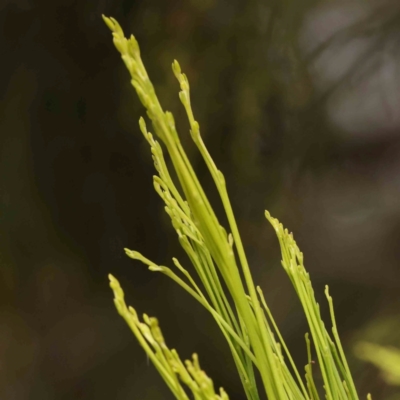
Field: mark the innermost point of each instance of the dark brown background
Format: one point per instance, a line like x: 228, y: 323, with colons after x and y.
x: 298, y: 104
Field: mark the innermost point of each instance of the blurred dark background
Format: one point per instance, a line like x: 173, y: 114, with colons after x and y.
x: 299, y: 104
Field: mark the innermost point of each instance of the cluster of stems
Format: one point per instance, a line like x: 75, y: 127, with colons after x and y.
x: 219, y: 262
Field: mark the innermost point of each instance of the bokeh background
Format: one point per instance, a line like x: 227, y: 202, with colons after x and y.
x: 299, y: 104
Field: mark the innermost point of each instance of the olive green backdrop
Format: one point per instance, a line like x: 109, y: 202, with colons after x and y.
x: 297, y: 101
